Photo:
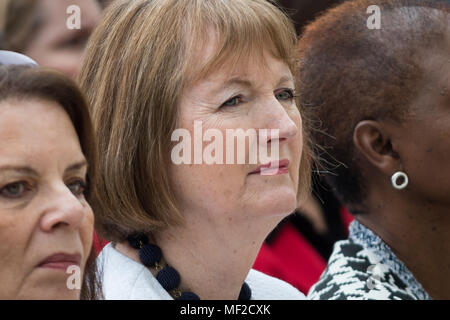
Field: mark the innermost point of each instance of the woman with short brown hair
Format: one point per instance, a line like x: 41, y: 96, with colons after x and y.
x: 154, y: 69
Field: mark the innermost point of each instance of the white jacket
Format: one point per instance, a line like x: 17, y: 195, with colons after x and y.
x: 125, y: 279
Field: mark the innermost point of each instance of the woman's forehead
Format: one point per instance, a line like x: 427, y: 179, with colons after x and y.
x: 249, y: 73
x: 214, y: 66
x: 215, y: 52
x: 34, y: 131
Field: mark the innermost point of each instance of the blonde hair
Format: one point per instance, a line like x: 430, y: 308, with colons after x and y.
x: 137, y: 63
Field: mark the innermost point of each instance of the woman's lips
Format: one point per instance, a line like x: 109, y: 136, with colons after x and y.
x: 273, y: 168
x: 61, y: 261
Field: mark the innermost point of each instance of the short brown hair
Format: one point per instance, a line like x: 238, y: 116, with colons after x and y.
x: 136, y: 66
x: 350, y: 73
x: 26, y: 82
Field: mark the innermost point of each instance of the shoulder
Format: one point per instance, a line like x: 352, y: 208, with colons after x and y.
x: 355, y: 273
x: 265, y: 287
x: 124, y: 279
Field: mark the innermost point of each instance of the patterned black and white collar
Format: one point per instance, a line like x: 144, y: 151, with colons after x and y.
x: 368, y: 239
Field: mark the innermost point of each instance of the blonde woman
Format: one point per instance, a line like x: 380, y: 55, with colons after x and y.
x: 192, y: 231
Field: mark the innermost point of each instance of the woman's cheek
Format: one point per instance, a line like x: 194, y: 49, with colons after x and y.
x: 14, y: 236
x: 297, y: 142
x: 297, y: 150
x: 87, y: 232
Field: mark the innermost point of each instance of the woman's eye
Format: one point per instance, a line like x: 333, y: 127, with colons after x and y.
x: 232, y: 102
x: 74, y: 42
x: 78, y: 187
x: 287, y: 94
x: 13, y: 190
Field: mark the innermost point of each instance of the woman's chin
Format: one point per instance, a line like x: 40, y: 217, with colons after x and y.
x: 278, y: 205
x: 50, y: 293
x: 48, y: 284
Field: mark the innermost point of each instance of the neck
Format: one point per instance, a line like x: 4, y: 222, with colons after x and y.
x: 213, y: 258
x: 417, y: 232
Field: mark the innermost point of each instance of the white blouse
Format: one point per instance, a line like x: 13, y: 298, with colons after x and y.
x: 125, y: 279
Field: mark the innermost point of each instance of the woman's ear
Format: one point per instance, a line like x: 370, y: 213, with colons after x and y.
x: 372, y: 140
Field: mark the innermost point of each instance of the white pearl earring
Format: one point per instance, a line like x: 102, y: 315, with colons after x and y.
x: 396, y: 176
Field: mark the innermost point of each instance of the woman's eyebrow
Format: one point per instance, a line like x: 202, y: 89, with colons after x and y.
x: 237, y: 81
x: 230, y: 83
x: 247, y: 83
x: 30, y: 171
x: 21, y: 170
x: 284, y: 79
x: 76, y: 166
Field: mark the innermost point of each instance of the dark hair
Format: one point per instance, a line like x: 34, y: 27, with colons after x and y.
x: 303, y: 12
x: 350, y: 73
x: 26, y: 82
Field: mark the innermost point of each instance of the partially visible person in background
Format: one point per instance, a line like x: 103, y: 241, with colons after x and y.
x: 382, y: 97
x: 47, y: 173
x: 105, y: 3
x: 38, y: 29
x: 303, y: 12
x: 311, y: 231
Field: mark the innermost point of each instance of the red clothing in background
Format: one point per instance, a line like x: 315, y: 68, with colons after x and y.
x: 98, y: 243
x: 291, y: 257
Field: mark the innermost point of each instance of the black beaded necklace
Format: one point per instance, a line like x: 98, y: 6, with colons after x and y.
x: 169, y: 278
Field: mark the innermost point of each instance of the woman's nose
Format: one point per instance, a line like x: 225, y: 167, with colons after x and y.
x: 279, y: 119
x: 63, y: 209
